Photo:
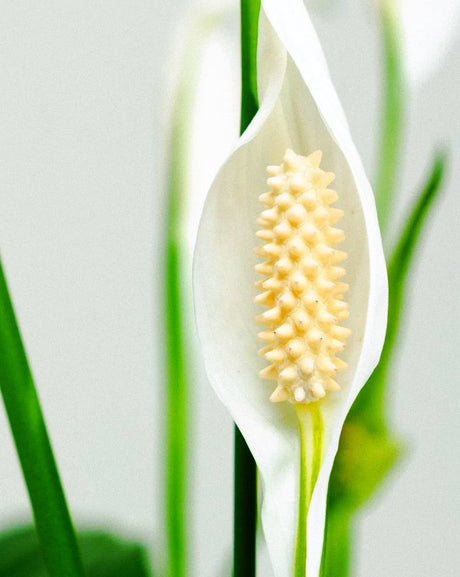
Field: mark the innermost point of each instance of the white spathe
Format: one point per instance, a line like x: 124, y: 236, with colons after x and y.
x: 298, y: 109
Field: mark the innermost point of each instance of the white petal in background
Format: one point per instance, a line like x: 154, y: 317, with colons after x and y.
x: 298, y: 108
x: 428, y: 30
x: 213, y: 95
x: 215, y: 122
x: 204, y: 67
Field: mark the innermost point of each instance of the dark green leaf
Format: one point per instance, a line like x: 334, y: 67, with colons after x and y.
x: 33, y: 446
x: 104, y: 554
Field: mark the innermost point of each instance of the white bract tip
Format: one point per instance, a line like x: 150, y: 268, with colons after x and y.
x: 300, y: 111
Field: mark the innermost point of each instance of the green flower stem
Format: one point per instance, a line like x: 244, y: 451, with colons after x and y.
x: 52, y: 518
x: 311, y: 450
x: 177, y: 418
x: 245, y: 476
x: 177, y: 394
x: 177, y: 312
x: 337, y: 543
x: 392, y: 113
x: 250, y: 10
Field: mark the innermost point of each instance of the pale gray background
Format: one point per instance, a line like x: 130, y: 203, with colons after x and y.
x: 80, y: 222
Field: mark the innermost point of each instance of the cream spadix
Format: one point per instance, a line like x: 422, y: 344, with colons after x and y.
x: 302, y: 292
x: 299, y: 110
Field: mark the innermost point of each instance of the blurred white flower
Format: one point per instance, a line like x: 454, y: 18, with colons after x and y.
x: 201, y: 102
x: 428, y: 28
x: 215, y: 114
x: 299, y: 109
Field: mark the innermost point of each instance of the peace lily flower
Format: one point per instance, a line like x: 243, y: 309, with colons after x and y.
x: 299, y: 114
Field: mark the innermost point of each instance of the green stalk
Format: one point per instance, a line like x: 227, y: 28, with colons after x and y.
x: 245, y: 475
x: 52, y: 518
x: 250, y: 10
x: 176, y: 313
x: 337, y: 543
x: 389, y: 151
x: 177, y: 417
x: 311, y: 448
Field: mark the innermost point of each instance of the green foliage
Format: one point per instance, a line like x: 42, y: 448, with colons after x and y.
x: 363, y: 461
x: 367, y: 450
x: 370, y: 405
x: 336, y: 551
x: 104, y: 555
x: 52, y: 517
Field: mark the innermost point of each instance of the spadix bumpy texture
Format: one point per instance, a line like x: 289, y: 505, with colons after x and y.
x: 302, y: 290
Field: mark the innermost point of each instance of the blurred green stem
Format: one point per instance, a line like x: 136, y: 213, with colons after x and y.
x: 389, y: 151
x: 176, y: 313
x: 368, y: 411
x: 337, y: 546
x: 337, y: 543
x: 52, y: 518
x: 245, y: 482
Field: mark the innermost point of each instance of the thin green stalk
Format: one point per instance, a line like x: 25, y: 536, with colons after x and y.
x: 177, y: 417
x: 250, y: 10
x: 52, y: 518
x: 337, y: 543
x: 389, y: 151
x: 245, y: 480
x: 177, y: 344
x: 311, y: 448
